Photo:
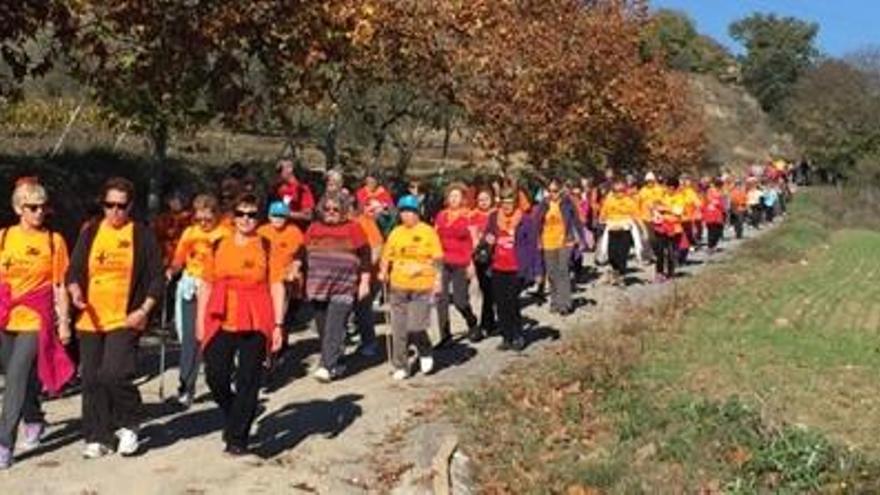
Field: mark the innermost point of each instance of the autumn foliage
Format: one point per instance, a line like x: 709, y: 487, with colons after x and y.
x: 553, y: 78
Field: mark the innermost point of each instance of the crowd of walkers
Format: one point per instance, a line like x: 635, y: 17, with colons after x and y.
x: 234, y: 283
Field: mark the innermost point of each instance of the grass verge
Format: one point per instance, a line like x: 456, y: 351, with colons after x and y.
x: 756, y: 376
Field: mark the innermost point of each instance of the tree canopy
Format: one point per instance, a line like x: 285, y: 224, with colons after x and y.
x: 778, y: 51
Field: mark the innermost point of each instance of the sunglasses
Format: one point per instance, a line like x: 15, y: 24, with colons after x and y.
x: 249, y: 214
x: 35, y: 207
x: 332, y: 209
x: 110, y: 205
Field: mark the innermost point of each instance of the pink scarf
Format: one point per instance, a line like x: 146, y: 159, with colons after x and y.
x: 54, y: 366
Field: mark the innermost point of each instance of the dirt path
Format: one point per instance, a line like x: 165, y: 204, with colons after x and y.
x: 341, y: 438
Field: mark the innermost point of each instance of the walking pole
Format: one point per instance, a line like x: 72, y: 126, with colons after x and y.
x: 390, y: 334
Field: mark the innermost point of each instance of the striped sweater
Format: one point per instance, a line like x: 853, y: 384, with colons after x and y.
x: 336, y: 256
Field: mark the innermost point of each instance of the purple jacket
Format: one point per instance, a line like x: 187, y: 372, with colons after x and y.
x: 574, y: 228
x: 528, y: 254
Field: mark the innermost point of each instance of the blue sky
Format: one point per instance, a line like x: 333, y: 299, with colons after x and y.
x: 845, y: 25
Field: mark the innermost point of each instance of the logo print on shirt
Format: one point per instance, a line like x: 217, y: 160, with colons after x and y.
x: 32, y: 251
x: 124, y: 244
x: 7, y: 264
x: 102, y: 257
x: 249, y: 264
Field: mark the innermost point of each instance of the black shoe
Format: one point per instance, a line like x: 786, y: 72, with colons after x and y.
x: 475, y: 334
x: 504, y: 346
x: 445, y: 341
x: 235, y: 450
x: 518, y: 344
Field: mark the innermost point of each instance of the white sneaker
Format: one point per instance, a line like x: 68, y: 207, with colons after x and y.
x: 322, y: 374
x: 426, y: 364
x: 95, y: 450
x: 400, y: 375
x: 128, y: 441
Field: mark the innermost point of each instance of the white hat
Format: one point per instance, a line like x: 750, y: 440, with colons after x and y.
x: 650, y: 177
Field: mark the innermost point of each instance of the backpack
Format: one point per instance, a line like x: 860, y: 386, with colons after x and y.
x: 483, y: 252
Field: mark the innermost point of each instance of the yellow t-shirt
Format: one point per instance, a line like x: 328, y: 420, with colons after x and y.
x: 27, y: 263
x: 649, y: 198
x: 413, y: 253
x: 618, y: 208
x: 194, y: 248
x: 111, y: 262
x: 553, y: 235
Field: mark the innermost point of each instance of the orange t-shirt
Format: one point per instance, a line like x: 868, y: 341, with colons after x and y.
x: 285, y: 244
x: 195, y: 247
x: 247, y: 263
x: 371, y: 230
x: 30, y: 261
x: 110, y: 265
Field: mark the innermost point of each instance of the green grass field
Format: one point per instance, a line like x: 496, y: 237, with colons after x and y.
x: 756, y: 376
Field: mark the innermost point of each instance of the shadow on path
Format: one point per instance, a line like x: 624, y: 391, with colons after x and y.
x: 285, y: 428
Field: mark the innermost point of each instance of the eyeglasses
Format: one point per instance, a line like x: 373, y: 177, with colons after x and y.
x: 35, y: 207
x: 332, y: 209
x: 248, y: 214
x: 111, y: 205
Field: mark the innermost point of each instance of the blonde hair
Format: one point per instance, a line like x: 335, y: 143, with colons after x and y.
x: 206, y: 202
x: 28, y: 192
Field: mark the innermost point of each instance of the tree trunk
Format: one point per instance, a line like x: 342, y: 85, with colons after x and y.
x: 331, y: 156
x: 447, y: 137
x: 378, y: 144
x: 159, y: 141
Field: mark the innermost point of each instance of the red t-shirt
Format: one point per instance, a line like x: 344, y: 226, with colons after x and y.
x: 296, y: 195
x: 381, y: 194
x: 504, y: 257
x: 453, y: 228
x: 713, y: 208
x: 479, y: 220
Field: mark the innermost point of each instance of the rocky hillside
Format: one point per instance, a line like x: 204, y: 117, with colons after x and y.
x: 739, y: 132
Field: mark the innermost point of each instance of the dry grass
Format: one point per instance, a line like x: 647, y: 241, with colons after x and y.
x: 708, y: 391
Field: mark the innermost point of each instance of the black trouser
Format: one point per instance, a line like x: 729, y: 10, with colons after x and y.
x: 756, y: 212
x: 770, y: 213
x: 619, y: 245
x: 364, y: 318
x: 666, y: 253
x: 487, y: 310
x: 690, y: 231
x: 456, y: 276
x: 714, y: 233
x: 110, y: 400
x: 506, y: 287
x: 737, y: 218
x: 239, y: 407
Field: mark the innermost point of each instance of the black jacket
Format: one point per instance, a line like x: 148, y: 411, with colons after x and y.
x: 147, y: 279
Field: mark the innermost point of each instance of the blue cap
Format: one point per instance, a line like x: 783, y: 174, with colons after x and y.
x: 279, y: 209
x: 408, y: 203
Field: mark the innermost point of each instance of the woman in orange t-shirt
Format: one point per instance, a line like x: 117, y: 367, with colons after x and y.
x: 115, y: 280
x: 243, y: 318
x: 32, y: 265
x: 190, y: 256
